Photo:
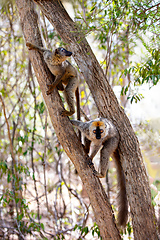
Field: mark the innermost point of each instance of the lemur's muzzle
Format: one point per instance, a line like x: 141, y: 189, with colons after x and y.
x: 68, y: 53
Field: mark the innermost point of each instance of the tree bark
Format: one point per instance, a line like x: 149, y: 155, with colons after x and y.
x: 102, y: 210
x: 138, y: 190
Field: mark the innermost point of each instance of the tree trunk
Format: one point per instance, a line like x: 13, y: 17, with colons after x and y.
x: 102, y: 210
x: 138, y: 190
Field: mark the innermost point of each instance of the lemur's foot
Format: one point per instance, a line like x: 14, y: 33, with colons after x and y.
x: 91, y: 165
x: 50, y: 89
x: 89, y: 162
x: 29, y: 45
x: 67, y: 113
x: 97, y: 174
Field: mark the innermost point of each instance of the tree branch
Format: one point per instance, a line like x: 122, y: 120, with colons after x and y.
x: 138, y: 190
x: 68, y: 139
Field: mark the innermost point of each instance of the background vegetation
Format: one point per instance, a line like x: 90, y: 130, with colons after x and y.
x: 41, y: 196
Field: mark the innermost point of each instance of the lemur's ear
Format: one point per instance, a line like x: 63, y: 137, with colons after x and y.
x: 56, y: 51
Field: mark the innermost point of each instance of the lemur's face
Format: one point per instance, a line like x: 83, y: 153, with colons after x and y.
x: 63, y: 52
x: 97, y: 130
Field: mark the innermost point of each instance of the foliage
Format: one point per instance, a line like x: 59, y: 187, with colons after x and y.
x: 149, y: 72
x: 85, y: 230
x: 38, y: 182
x: 118, y: 26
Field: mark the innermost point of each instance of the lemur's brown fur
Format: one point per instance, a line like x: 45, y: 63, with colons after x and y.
x: 102, y: 134
x: 65, y: 74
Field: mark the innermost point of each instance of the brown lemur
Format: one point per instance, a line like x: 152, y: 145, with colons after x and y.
x: 101, y: 132
x: 64, y: 72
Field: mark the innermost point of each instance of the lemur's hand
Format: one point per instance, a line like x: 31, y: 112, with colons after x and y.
x: 51, y: 88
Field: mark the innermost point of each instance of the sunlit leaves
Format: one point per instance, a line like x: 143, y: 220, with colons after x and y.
x: 85, y: 230
x: 40, y: 107
x: 149, y: 72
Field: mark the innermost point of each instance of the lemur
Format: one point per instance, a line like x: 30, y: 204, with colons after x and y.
x: 64, y: 72
x: 101, y: 132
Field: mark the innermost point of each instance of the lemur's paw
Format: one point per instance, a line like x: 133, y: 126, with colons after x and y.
x: 97, y: 174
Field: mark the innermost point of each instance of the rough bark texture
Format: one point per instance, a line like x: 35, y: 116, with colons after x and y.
x: 68, y: 139
x: 136, y: 178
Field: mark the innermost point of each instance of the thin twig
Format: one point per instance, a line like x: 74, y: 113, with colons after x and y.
x: 33, y: 137
x: 13, y: 165
x: 44, y: 159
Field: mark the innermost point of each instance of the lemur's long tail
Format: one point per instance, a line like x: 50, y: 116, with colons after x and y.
x: 122, y: 196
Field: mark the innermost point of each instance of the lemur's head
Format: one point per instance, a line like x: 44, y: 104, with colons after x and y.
x: 58, y: 56
x: 62, y: 54
x: 97, y: 130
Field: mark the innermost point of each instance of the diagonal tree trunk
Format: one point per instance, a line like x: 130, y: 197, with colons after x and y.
x: 102, y: 210
x: 138, y: 190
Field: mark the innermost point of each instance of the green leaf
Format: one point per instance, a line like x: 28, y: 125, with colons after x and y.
x: 42, y: 226
x: 76, y: 226
x: 16, y: 200
x: 92, y: 9
x: 20, y: 216
x: 25, y: 153
x: 126, y: 89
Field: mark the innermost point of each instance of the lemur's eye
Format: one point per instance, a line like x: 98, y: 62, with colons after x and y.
x: 101, y: 131
x: 94, y: 131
